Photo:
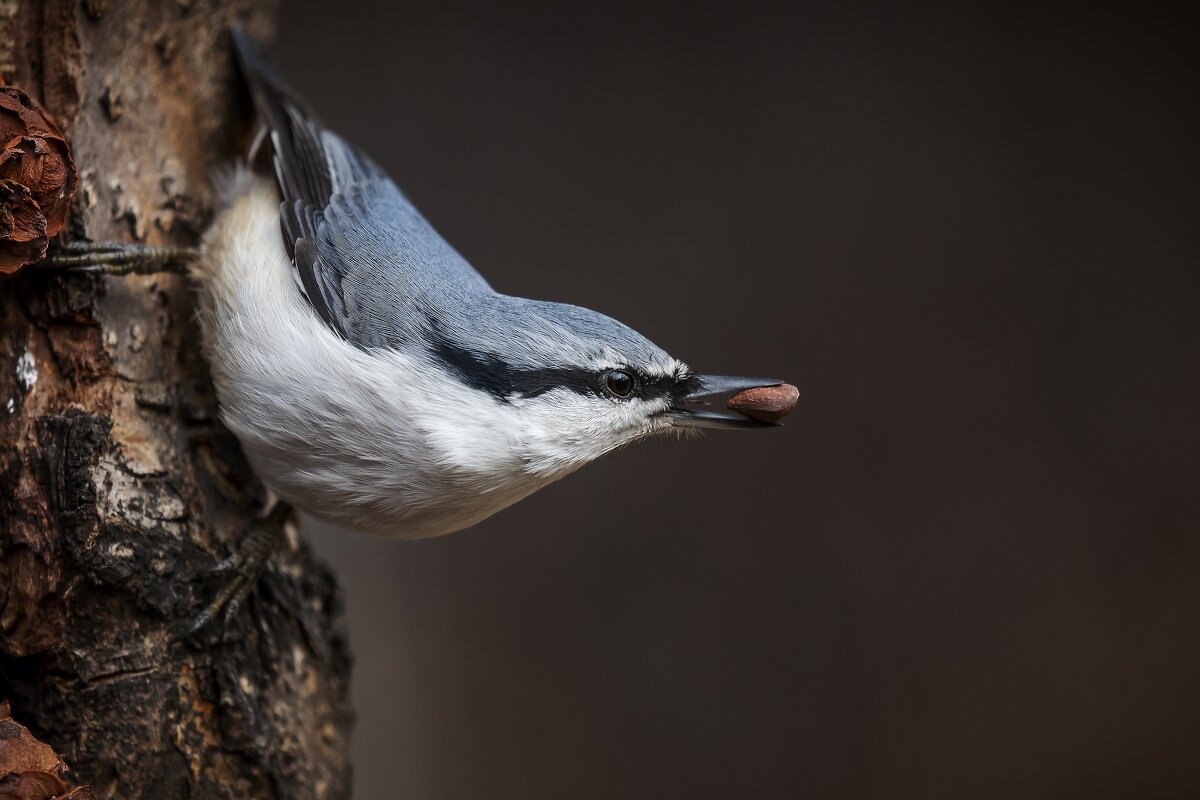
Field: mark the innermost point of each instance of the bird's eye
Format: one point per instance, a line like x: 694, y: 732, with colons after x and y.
x: 619, y: 382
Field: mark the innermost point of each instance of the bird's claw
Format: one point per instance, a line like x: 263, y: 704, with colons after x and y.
x: 246, y: 565
x: 119, y: 258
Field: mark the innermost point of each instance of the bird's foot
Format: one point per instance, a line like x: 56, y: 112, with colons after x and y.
x: 242, y: 569
x: 119, y: 258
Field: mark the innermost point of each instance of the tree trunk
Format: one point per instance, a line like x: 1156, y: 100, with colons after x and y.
x: 119, y: 488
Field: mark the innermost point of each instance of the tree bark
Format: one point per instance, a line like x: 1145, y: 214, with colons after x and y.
x: 119, y: 488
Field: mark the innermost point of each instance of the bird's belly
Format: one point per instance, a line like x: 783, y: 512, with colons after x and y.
x: 375, y: 479
x: 396, y: 508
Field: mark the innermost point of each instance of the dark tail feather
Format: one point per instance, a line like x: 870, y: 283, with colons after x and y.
x: 300, y: 164
x: 267, y: 89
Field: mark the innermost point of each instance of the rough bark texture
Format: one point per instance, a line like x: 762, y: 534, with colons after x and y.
x: 119, y: 489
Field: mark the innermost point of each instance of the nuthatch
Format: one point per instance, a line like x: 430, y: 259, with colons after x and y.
x: 374, y: 378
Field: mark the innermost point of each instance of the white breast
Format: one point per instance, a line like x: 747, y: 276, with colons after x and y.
x: 376, y: 442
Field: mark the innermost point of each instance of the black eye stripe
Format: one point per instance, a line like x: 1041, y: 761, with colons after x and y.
x: 489, y: 373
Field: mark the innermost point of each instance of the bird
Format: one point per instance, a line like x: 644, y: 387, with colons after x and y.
x: 374, y: 378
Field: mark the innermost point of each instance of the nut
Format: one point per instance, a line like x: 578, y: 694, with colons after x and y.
x: 37, y: 180
x: 766, y: 403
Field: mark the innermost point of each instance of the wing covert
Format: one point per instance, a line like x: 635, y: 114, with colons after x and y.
x: 360, y: 249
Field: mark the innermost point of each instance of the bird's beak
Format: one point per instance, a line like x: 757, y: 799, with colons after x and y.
x: 683, y: 414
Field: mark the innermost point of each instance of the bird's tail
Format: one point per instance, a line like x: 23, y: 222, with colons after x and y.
x: 293, y: 128
x: 270, y: 94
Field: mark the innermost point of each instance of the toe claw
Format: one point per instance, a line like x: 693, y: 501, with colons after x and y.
x: 202, y: 621
x: 226, y: 565
x: 246, y: 565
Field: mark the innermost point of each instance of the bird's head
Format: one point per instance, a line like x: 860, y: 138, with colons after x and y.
x: 582, y: 384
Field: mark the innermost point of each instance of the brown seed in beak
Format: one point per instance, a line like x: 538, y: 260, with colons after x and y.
x: 765, y: 404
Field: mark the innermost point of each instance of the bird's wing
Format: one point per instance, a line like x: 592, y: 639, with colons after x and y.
x: 359, y: 247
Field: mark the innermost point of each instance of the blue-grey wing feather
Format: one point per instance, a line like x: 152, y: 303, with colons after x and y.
x: 379, y: 254
x: 360, y: 249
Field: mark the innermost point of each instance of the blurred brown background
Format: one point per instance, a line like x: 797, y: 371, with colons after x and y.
x: 968, y: 566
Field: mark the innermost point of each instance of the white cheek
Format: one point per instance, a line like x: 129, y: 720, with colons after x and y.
x: 564, y: 430
x: 465, y: 430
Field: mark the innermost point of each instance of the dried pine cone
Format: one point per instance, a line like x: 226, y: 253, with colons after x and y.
x: 37, y: 180
x: 29, y: 769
